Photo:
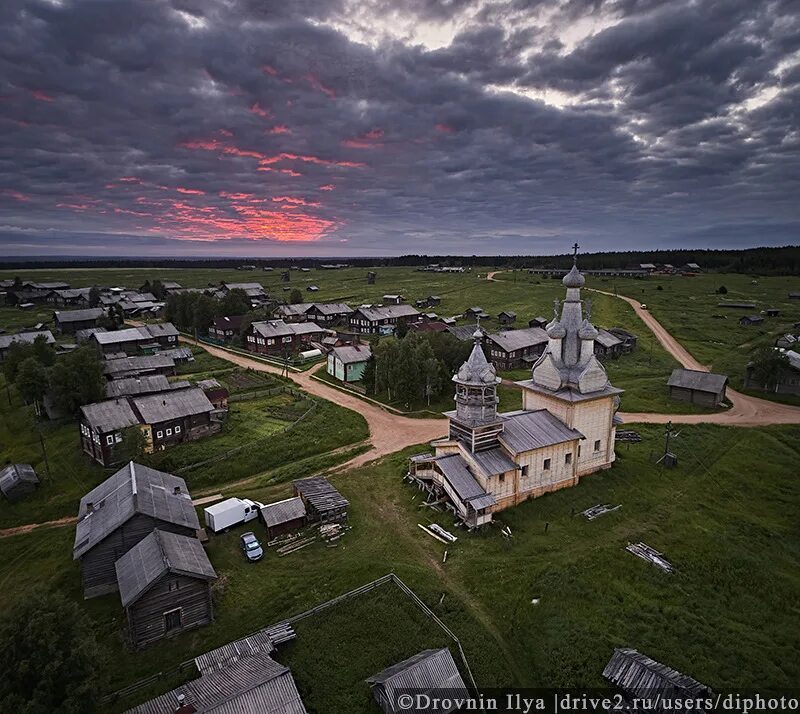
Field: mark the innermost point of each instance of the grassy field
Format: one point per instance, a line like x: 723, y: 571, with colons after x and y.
x: 687, y: 308
x: 726, y: 518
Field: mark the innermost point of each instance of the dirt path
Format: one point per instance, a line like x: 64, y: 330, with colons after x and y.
x: 388, y: 432
x: 490, y: 276
x: 745, y: 410
x: 27, y: 528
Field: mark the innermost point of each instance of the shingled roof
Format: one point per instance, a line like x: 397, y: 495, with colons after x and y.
x: 133, y: 489
x: 640, y: 676
x: 154, y: 556
x: 90, y: 313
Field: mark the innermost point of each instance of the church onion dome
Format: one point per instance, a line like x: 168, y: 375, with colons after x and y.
x: 556, y: 331
x: 476, y: 371
x: 587, y: 331
x: 574, y: 279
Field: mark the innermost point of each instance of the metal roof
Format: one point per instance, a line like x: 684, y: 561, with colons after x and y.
x: 426, y: 672
x: 296, y: 309
x: 137, y: 385
x: 494, y: 461
x: 278, y: 328
x: 512, y: 340
x: 458, y: 475
x: 290, y: 509
x: 109, y: 415
x: 528, y: 430
x: 133, y: 489
x: 90, y: 313
x: 14, y: 474
x: 607, y: 339
x: 160, y: 329
x: 333, y: 308
x: 222, y: 657
x: 154, y: 556
x: 386, y: 312
x: 350, y: 354
x: 175, y: 404
x: 129, y: 334
x: 252, y: 685
x: 641, y: 676
x: 26, y: 338
x: 695, y: 379
x: 462, y: 332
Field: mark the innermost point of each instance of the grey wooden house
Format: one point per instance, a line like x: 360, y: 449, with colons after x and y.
x: 428, y: 672
x: 18, y: 481
x: 283, y: 516
x: 165, y: 586
x: 322, y: 501
x: 703, y: 388
x: 119, y: 513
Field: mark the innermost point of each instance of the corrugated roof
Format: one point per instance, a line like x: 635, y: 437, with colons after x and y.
x: 607, y: 339
x: 139, y: 363
x: 350, y: 354
x: 109, y: 415
x: 272, y: 329
x: 222, y: 657
x: 154, y: 556
x: 293, y: 310
x: 528, y: 430
x: 175, y: 404
x: 458, y: 475
x: 90, y: 313
x: 14, y: 474
x: 129, y: 334
x: 133, y: 489
x: 494, y: 461
x: 160, y: 329
x: 137, y: 385
x: 512, y: 340
x: 695, y: 379
x: 333, y: 308
x: 26, y: 338
x: 252, y: 685
x: 290, y: 509
x: 425, y: 673
x: 385, y: 312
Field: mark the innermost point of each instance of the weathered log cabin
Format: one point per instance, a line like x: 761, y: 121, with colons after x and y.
x: 70, y: 321
x: 691, y: 385
x: 18, y: 481
x: 283, y: 516
x: 515, y: 348
x: 322, y: 501
x: 428, y: 672
x: 120, y: 512
x: 165, y: 587
x: 381, y: 319
x: 276, y: 337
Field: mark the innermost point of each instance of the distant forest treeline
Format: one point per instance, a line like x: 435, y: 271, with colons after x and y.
x: 758, y: 261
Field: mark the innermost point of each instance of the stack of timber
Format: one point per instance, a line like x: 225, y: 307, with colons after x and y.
x: 628, y: 435
x: 449, y: 537
x: 651, y: 555
x: 295, y: 545
x: 323, y: 502
x: 280, y: 633
x: 599, y: 510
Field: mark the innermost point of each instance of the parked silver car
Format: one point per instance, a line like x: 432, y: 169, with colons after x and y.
x: 251, y: 547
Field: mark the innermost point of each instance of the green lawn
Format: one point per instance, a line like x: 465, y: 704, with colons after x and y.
x: 726, y: 518
x: 687, y: 306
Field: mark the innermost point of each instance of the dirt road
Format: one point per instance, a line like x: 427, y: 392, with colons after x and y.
x: 388, y: 432
x: 745, y: 410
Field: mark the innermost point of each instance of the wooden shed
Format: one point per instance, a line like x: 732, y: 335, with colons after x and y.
x: 18, y: 481
x: 704, y: 388
x: 641, y: 677
x: 165, y: 586
x: 322, y: 501
x: 428, y: 672
x: 283, y: 516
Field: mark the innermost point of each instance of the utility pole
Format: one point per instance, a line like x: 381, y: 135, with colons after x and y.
x: 44, y: 450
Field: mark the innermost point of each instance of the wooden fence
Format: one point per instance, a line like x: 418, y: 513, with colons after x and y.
x: 362, y: 590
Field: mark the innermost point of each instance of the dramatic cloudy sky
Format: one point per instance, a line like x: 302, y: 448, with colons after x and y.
x: 347, y: 127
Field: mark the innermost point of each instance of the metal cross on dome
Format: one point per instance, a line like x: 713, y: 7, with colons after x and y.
x: 575, y: 252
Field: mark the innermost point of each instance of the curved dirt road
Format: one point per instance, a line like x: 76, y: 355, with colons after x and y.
x: 745, y: 410
x: 388, y: 432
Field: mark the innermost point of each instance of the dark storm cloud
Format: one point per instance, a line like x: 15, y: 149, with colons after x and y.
x: 243, y: 127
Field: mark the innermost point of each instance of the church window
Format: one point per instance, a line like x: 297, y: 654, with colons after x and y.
x: 502, y: 478
x: 524, y: 471
x: 597, y: 445
x: 546, y: 465
x: 568, y: 458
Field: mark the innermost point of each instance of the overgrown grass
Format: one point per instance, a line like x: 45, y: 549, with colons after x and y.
x: 725, y: 517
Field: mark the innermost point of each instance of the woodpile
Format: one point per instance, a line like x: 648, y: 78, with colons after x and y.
x: 628, y: 435
x: 599, y: 510
x: 651, y: 555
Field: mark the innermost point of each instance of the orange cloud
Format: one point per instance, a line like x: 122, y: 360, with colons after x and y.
x: 444, y: 128
x: 318, y: 85
x: 41, y: 96
x: 260, y: 111
x: 191, y: 191
x: 279, y: 129
x: 327, y: 187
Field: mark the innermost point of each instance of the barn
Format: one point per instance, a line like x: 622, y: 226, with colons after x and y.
x: 18, y: 481
x: 428, y: 672
x: 124, y: 509
x: 322, y: 501
x: 283, y: 516
x: 703, y: 388
x: 165, y: 587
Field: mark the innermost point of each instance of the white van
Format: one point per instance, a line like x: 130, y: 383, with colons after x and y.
x: 231, y: 512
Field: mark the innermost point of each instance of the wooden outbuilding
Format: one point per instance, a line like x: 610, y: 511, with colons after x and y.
x: 704, y: 388
x: 18, y: 481
x: 283, y: 516
x: 749, y: 320
x: 371, y: 278
x: 70, y: 321
x: 165, y: 587
x: 428, y: 672
x: 114, y: 516
x: 322, y: 501
x: 507, y: 317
